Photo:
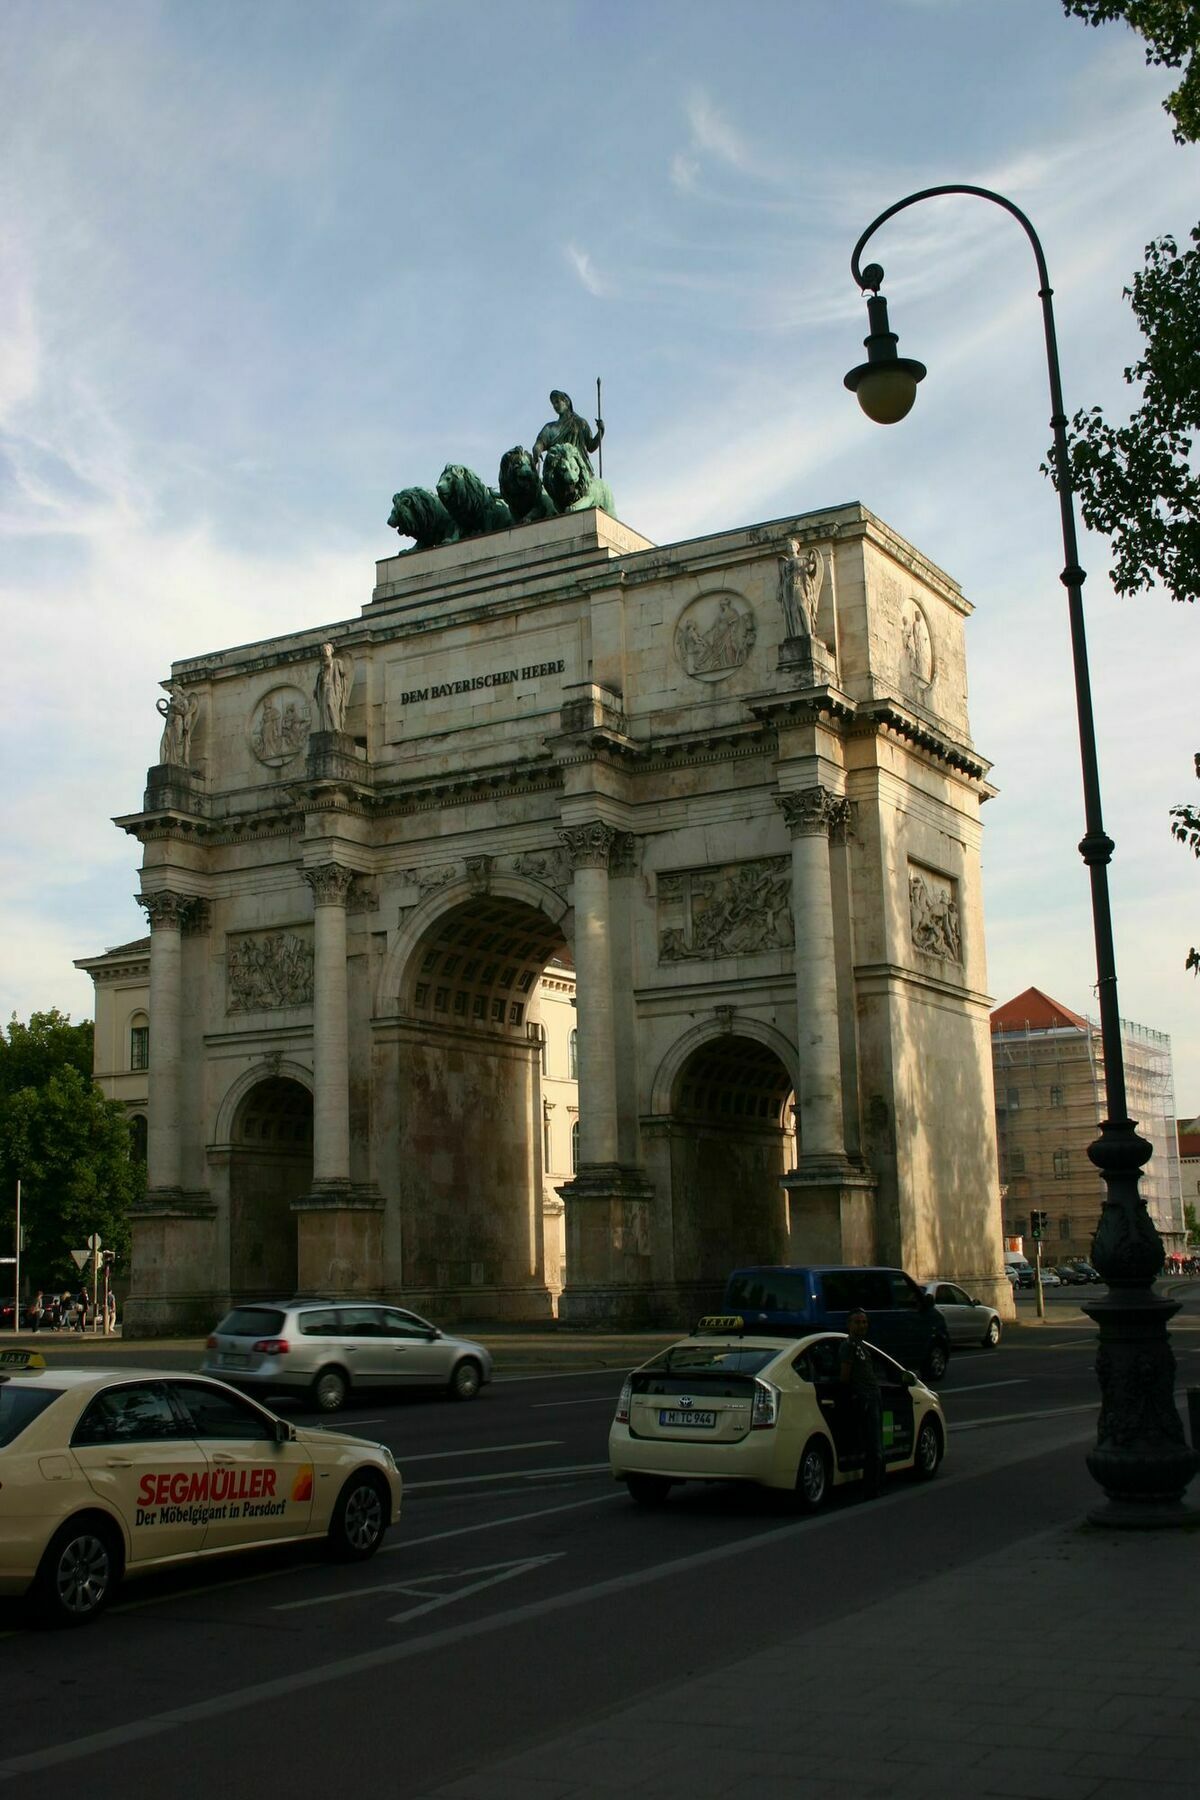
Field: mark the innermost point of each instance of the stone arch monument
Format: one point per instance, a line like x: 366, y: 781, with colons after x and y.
x: 730, y: 781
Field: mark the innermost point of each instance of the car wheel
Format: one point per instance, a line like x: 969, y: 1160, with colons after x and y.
x: 647, y: 1490
x: 814, y: 1475
x: 991, y: 1336
x: 927, y: 1452
x: 937, y: 1361
x: 78, y: 1575
x: 329, y: 1390
x: 466, y: 1380
x: 360, y: 1518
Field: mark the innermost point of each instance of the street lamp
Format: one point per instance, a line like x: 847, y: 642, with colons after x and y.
x: 1141, y: 1459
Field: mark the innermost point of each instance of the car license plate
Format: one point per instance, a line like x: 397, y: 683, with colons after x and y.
x: 232, y: 1359
x: 702, y: 1421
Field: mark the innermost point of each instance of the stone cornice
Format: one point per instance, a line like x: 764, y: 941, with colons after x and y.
x: 889, y: 717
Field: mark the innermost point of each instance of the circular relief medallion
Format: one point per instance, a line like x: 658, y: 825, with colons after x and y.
x: 715, y: 635
x: 916, y: 648
x: 279, y: 726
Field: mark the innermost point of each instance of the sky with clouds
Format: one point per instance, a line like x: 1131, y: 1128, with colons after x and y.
x: 266, y: 261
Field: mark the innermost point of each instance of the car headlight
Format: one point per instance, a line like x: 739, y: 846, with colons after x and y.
x: 389, y: 1461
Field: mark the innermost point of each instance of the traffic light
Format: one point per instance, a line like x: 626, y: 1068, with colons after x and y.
x: 1038, y: 1223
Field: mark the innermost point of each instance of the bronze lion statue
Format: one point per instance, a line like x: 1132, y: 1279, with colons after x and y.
x: 521, y: 488
x: 417, y: 513
x: 571, y: 484
x: 474, y: 507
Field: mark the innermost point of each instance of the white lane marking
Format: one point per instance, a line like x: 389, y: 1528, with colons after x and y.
x: 977, y: 1387
x: 415, y: 1487
x: 543, y: 1512
x: 596, y: 1400
x: 1050, y: 1412
x: 417, y: 1587
x: 489, y: 1450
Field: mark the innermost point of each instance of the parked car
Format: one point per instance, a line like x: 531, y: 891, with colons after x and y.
x: 765, y: 1408
x: 1070, y: 1276
x: 969, y: 1321
x: 903, y: 1319
x: 1050, y: 1279
x: 1085, y: 1269
x: 108, y: 1473
x: 324, y: 1350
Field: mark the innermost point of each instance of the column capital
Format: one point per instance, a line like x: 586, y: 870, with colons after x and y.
x: 814, y: 811
x: 330, y: 883
x: 623, y: 858
x: 169, y: 911
x: 588, y: 846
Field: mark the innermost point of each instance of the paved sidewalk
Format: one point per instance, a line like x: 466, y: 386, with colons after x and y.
x: 1066, y: 1668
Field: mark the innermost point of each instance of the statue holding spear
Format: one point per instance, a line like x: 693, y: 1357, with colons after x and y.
x: 568, y: 427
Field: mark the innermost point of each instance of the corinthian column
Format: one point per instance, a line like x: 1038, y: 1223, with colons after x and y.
x: 810, y: 815
x: 588, y: 848
x: 166, y: 913
x: 330, y: 884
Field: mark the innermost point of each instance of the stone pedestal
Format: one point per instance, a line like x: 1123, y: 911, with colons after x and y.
x: 334, y: 756
x: 806, y: 661
x: 831, y: 1205
x: 170, y: 787
x: 339, y: 1240
x: 609, y: 1248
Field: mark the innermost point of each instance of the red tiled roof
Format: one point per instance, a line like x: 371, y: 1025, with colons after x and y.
x: 1035, y: 1011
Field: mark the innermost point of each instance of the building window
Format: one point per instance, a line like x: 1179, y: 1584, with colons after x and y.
x: 139, y: 1046
x: 573, y: 1056
x: 1064, y: 1227
x: 538, y: 1034
x: 1056, y: 1096
x: 547, y: 1162
x: 1062, y: 1160
x: 1016, y: 1161
x: 137, y: 1137
x: 574, y: 1142
x: 1012, y: 1099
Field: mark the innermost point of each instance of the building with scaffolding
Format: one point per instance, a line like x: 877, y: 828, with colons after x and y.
x: 1048, y: 1069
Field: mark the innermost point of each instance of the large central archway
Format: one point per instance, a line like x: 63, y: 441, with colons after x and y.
x: 732, y: 1140
x: 468, y: 1077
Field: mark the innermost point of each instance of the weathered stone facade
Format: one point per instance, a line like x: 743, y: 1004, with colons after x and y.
x: 760, y: 853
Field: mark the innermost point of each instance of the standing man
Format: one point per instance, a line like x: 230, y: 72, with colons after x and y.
x: 856, y: 1372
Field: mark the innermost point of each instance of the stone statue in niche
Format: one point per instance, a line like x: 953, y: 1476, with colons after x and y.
x: 570, y: 482
x: 567, y: 427
x: 474, y: 507
x: 521, y: 488
x: 335, y: 678
x: 801, y: 577
x: 179, y: 712
x: 419, y: 514
x: 740, y: 910
x: 933, y: 916
x: 264, y: 973
x: 917, y: 664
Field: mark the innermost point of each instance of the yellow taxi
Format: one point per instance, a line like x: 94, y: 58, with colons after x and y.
x: 112, y: 1472
x: 726, y: 1404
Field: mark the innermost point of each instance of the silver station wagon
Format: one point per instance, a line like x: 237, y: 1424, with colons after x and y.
x: 325, y: 1350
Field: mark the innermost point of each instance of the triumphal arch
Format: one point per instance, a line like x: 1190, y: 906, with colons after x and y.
x: 729, y: 781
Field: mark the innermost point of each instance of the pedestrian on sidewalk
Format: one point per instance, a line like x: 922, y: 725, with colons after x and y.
x: 856, y: 1371
x: 81, y: 1319
x: 36, y: 1311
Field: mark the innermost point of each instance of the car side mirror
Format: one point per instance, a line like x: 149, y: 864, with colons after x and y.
x: 284, y: 1432
x: 927, y: 1301
x: 909, y: 1379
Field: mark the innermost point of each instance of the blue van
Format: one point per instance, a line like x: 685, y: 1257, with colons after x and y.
x: 903, y: 1319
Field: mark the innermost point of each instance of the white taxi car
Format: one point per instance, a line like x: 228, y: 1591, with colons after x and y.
x: 728, y: 1405
x: 111, y: 1472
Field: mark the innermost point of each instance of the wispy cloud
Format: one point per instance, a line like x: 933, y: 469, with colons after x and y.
x: 585, y: 270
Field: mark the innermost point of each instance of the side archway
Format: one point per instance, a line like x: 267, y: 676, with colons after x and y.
x: 728, y: 1101
x: 270, y: 1166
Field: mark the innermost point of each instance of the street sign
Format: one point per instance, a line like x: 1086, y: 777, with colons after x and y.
x: 7, y: 1259
x: 93, y: 1243
x: 79, y: 1257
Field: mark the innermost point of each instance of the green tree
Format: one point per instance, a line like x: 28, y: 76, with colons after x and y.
x: 68, y: 1145
x: 1189, y: 1219
x: 1138, y: 482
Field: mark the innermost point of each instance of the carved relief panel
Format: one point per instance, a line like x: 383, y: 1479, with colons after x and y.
x: 738, y: 909
x: 279, y: 726
x: 933, y: 913
x: 266, y: 970
x: 715, y: 635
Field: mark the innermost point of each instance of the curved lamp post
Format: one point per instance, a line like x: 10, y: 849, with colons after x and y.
x: 1141, y: 1459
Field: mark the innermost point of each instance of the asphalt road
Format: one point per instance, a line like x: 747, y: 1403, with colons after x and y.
x: 522, y: 1592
